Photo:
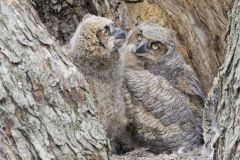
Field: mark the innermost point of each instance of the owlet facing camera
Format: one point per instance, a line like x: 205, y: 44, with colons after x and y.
x: 162, y: 94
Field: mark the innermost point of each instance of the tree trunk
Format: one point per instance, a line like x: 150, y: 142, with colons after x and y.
x: 200, y: 25
x: 46, y: 110
x: 223, y: 132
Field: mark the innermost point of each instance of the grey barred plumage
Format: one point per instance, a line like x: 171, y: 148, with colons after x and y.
x: 162, y: 94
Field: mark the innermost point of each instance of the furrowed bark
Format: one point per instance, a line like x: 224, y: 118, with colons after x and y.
x: 46, y: 109
x: 223, y: 103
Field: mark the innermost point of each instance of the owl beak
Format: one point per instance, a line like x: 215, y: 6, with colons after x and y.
x: 118, y: 33
x: 142, y: 47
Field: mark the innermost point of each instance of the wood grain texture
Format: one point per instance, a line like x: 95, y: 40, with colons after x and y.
x: 199, y: 25
x: 200, y: 28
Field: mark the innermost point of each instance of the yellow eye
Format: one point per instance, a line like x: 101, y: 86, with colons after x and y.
x: 155, y: 46
x: 106, y: 32
x: 139, y: 37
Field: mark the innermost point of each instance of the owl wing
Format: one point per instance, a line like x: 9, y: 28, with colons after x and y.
x: 160, y: 112
x: 188, y: 83
x: 179, y: 74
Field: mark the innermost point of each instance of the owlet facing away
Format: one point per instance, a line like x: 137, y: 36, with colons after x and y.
x: 162, y: 94
x: 94, y: 50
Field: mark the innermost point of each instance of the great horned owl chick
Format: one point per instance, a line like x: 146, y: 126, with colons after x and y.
x: 163, y: 96
x: 94, y: 49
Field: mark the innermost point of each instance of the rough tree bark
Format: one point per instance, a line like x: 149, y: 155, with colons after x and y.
x: 46, y: 110
x: 224, y: 98
x: 200, y: 25
x: 222, y: 109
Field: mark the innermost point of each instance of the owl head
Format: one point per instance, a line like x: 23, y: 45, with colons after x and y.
x: 97, y: 40
x: 148, y: 43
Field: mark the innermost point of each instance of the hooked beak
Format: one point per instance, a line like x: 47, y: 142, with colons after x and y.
x: 142, y: 48
x: 118, y: 33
